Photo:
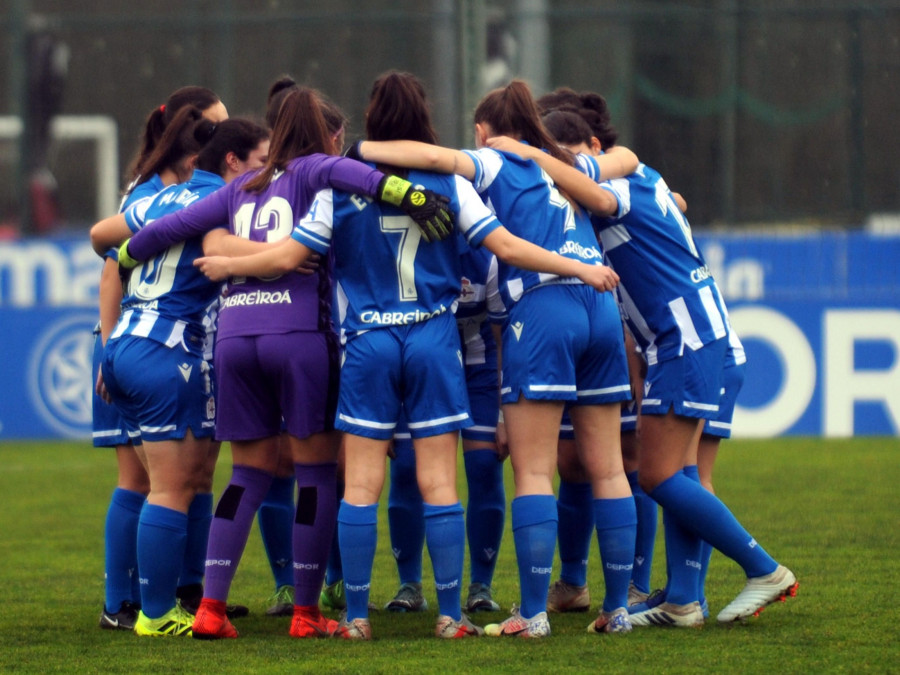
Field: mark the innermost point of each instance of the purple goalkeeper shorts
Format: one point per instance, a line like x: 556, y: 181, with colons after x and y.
x: 273, y: 383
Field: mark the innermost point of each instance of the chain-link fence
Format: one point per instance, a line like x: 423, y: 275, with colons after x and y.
x: 758, y: 112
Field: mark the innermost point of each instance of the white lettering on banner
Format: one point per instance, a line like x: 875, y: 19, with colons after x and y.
x: 844, y: 385
x: 798, y: 365
x: 44, y: 273
x: 741, y: 279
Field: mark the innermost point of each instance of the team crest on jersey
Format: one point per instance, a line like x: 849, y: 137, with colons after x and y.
x: 185, y: 370
x: 517, y: 329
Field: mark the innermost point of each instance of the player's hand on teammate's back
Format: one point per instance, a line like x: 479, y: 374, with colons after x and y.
x: 600, y: 277
x: 428, y: 209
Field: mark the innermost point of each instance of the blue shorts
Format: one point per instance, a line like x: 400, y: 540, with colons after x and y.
x: 564, y: 342
x: 108, y: 427
x: 484, y: 402
x: 162, y: 391
x: 273, y: 383
x: 566, y: 428
x: 732, y: 380
x: 418, y: 366
x: 689, y: 385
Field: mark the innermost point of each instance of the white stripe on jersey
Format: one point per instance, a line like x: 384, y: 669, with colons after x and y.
x: 713, y: 312
x: 636, y: 320
x: 614, y: 236
x: 689, y: 335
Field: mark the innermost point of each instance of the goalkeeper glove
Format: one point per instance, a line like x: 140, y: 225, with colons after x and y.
x: 428, y: 209
x: 126, y: 260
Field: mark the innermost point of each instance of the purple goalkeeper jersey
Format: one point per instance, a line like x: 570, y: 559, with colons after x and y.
x: 255, y: 306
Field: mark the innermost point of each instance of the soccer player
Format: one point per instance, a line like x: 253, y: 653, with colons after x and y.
x: 122, y: 603
x: 562, y: 342
x: 482, y: 456
x: 675, y: 314
x: 400, y: 332
x: 172, y: 400
x: 276, y: 348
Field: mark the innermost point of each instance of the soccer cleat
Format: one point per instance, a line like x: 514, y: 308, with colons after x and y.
x: 332, y: 596
x: 409, y: 598
x: 760, y: 592
x: 124, y: 619
x: 669, y: 614
x: 309, y: 622
x: 211, y: 623
x: 282, y: 602
x: 175, y: 622
x: 636, y: 595
x: 616, y: 621
x: 190, y: 596
x: 566, y: 597
x: 449, y: 628
x: 480, y: 599
x: 358, y: 629
x: 518, y: 626
x: 655, y: 599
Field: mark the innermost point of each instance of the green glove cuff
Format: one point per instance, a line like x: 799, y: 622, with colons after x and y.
x: 393, y: 189
x: 126, y: 260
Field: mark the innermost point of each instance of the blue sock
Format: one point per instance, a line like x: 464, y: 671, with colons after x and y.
x: 445, y: 532
x: 645, y: 539
x: 333, y: 569
x: 485, y: 513
x: 706, y: 515
x: 275, y: 518
x: 534, y: 524
x: 406, y: 519
x: 616, y: 525
x: 693, y: 472
x: 358, y: 533
x: 162, y: 533
x: 120, y: 565
x: 576, y: 525
x: 200, y: 515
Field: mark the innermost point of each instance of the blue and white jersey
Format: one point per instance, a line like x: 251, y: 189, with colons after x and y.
x: 668, y: 297
x: 167, y: 297
x: 527, y: 202
x: 386, y: 274
x: 479, y: 347
x: 142, y: 194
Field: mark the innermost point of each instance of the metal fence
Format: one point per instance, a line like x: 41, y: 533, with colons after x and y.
x: 758, y: 112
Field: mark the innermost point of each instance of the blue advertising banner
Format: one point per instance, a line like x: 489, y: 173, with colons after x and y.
x: 818, y: 312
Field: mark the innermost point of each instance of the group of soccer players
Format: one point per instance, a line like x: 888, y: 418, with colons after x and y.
x: 355, y: 322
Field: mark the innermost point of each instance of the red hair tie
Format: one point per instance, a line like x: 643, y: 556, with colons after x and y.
x: 162, y: 108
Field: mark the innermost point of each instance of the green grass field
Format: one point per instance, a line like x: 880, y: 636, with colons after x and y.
x: 829, y: 509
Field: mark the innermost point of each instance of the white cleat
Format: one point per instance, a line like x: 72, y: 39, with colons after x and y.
x: 760, y: 592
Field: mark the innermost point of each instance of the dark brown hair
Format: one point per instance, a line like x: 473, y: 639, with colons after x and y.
x: 511, y: 111
x: 160, y: 118
x: 299, y: 130
x: 567, y: 127
x: 591, y: 106
x: 398, y: 110
x: 177, y: 143
x: 237, y: 135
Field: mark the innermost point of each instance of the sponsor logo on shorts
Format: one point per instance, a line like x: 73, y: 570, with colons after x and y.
x: 258, y: 298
